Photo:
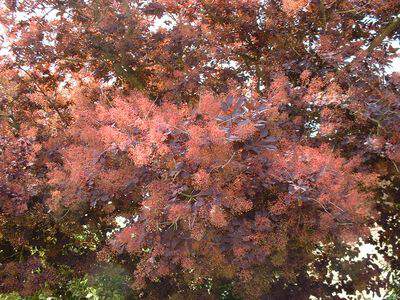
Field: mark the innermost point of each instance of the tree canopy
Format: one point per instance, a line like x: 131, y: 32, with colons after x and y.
x: 248, y: 146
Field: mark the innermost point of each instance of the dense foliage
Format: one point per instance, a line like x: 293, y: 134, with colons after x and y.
x: 247, y: 147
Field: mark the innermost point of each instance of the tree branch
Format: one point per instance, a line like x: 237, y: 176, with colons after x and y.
x: 51, y: 101
x: 387, y: 31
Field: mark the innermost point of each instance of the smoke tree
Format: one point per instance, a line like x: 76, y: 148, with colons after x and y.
x: 248, y: 145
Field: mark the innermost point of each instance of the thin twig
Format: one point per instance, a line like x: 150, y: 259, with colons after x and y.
x: 396, y: 167
x: 230, y: 159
